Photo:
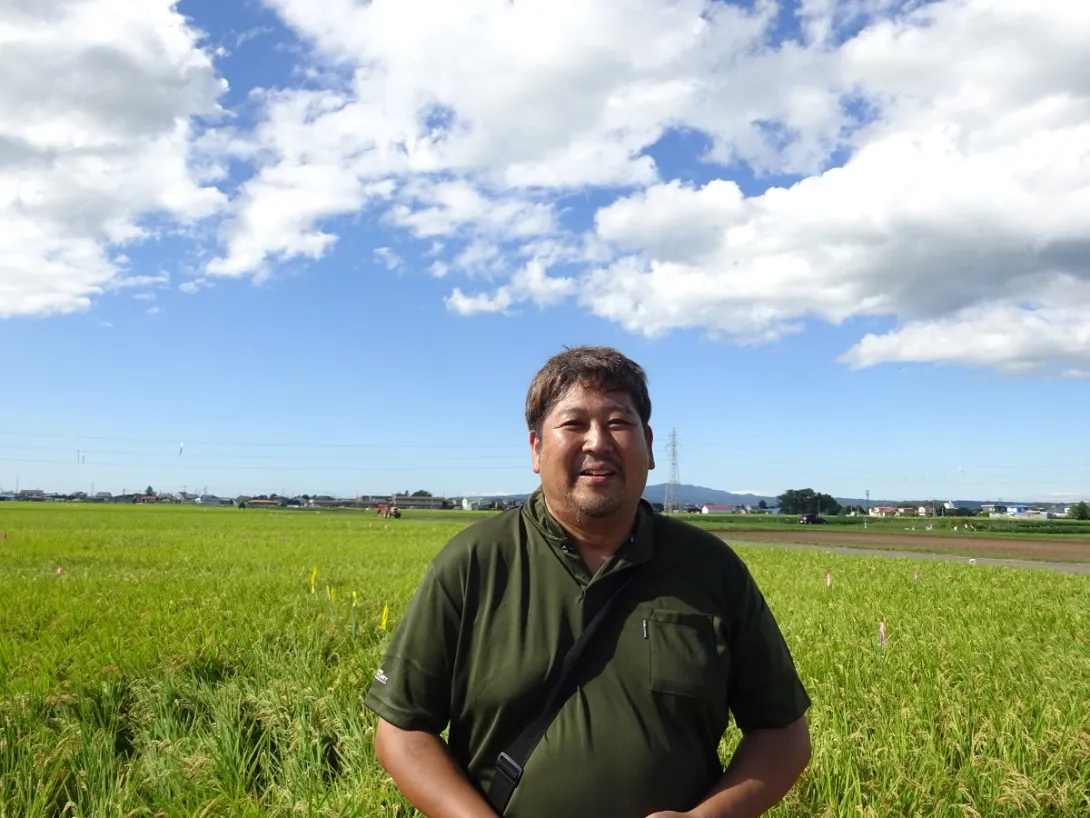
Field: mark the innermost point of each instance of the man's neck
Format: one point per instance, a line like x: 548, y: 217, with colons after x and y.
x: 596, y: 539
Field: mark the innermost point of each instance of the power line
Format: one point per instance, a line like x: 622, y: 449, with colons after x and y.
x: 266, y: 444
x: 197, y: 455
x: 263, y: 467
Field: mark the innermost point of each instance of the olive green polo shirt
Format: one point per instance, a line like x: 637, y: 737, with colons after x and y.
x: 689, y: 643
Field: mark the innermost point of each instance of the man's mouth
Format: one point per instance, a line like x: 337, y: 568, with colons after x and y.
x: 598, y: 474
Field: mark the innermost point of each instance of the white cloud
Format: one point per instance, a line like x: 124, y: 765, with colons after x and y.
x: 195, y: 286
x: 955, y: 230
x: 132, y: 282
x: 481, y: 256
x: 964, y: 213
x: 388, y: 258
x: 963, y: 207
x: 96, y: 109
x: 530, y: 283
x: 491, y: 98
x: 1004, y: 337
x: 449, y: 206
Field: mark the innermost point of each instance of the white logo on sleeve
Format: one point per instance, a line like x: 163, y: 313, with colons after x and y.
x: 381, y: 677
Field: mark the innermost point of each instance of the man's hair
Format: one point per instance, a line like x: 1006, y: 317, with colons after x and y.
x: 601, y: 368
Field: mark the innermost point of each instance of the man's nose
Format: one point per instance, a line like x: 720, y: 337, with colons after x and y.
x: 598, y: 438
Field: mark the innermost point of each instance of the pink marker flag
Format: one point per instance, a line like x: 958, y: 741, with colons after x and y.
x: 828, y: 580
x: 59, y: 570
x: 915, y: 575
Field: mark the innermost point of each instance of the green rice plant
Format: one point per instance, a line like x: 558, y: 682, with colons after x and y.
x: 189, y: 661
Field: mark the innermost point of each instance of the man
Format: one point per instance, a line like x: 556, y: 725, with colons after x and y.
x: 689, y: 642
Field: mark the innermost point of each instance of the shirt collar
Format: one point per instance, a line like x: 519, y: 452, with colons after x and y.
x: 636, y: 550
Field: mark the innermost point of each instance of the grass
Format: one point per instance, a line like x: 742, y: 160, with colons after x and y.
x: 1004, y: 527
x: 180, y: 665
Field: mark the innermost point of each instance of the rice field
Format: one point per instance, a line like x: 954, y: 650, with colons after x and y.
x: 179, y: 661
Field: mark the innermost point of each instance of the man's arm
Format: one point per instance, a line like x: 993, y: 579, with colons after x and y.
x: 763, y: 769
x: 424, y: 770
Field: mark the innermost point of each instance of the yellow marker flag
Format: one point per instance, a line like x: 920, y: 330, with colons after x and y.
x: 385, y: 616
x: 313, y: 578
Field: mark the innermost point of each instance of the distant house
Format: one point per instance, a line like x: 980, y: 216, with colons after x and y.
x: 717, y: 508
x: 883, y: 511
x: 262, y: 503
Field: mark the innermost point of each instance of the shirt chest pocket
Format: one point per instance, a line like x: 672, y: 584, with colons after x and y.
x: 687, y: 654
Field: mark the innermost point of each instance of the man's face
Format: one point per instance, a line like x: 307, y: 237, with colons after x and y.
x: 593, y: 454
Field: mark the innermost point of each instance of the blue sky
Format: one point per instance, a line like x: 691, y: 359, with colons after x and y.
x: 801, y: 326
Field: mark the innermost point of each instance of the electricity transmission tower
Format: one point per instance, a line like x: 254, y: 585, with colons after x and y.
x: 673, y: 487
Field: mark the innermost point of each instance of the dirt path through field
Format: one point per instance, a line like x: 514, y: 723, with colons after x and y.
x: 1040, y: 565
x: 1066, y: 555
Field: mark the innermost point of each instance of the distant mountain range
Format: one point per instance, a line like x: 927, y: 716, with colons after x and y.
x: 701, y: 495
x: 691, y: 495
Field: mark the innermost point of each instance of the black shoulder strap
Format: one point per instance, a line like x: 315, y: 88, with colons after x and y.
x: 510, y: 763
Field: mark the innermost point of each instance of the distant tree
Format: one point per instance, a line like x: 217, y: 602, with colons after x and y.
x: 807, y: 501
x: 762, y: 505
x: 1081, y: 511
x: 421, y: 493
x: 149, y: 491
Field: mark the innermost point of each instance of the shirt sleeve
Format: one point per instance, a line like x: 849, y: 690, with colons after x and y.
x: 412, y: 686
x: 765, y: 690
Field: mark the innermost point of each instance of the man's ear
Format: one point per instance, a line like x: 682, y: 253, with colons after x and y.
x: 649, y: 436
x: 535, y: 452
